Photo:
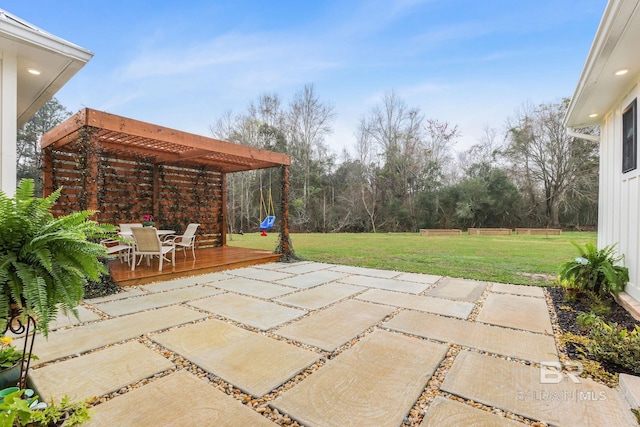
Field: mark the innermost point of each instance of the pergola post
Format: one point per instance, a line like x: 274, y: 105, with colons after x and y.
x: 284, y: 245
x: 223, y: 190
x: 47, y: 172
x: 91, y: 176
x: 156, y: 191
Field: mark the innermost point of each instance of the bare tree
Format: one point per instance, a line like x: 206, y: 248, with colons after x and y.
x: 368, y: 173
x: 309, y: 122
x: 439, y: 140
x: 394, y: 130
x: 547, y: 160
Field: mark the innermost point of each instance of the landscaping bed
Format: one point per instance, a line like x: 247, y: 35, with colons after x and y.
x: 567, y: 313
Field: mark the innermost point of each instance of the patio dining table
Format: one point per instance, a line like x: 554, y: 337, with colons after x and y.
x: 161, y: 233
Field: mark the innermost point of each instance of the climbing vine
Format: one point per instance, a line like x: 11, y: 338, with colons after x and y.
x: 121, y: 186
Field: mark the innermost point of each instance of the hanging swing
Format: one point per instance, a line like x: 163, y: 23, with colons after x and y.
x: 269, y: 211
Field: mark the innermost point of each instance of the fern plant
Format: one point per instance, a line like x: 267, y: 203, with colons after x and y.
x: 45, y: 262
x: 596, y: 270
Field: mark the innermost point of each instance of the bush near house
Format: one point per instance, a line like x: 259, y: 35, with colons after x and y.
x: 596, y: 270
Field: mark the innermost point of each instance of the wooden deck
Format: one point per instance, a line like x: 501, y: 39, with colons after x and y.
x: 207, y: 260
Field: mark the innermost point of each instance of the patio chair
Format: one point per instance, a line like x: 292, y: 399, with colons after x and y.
x: 118, y: 248
x: 187, y: 240
x: 148, y: 244
x: 127, y: 227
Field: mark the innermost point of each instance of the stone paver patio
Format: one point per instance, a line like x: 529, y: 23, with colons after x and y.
x: 319, y: 345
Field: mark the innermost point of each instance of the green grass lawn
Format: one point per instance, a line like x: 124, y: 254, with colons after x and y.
x: 506, y: 259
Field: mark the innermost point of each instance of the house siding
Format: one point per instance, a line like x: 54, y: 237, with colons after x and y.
x: 619, y: 199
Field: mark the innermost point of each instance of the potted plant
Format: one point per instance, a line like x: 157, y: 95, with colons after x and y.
x: 10, y: 358
x: 147, y: 221
x: 45, y: 261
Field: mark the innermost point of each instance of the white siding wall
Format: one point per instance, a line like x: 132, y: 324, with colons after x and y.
x: 619, y: 204
x: 8, y: 121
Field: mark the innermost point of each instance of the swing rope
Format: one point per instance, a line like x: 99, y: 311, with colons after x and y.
x: 265, y: 207
x: 268, y: 209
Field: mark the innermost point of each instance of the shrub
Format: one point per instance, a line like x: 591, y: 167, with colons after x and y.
x: 611, y: 342
x: 596, y: 270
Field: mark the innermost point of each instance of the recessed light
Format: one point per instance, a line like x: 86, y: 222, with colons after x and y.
x: 593, y: 115
x: 33, y: 71
x: 622, y: 72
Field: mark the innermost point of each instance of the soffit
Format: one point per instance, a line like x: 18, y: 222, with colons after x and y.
x: 56, y: 59
x: 615, y: 47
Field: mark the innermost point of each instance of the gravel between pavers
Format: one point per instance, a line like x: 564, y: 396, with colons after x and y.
x: 261, y: 405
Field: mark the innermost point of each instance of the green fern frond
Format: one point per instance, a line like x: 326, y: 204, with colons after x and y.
x: 46, y: 260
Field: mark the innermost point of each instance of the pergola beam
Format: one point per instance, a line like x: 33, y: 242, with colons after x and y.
x: 169, y: 145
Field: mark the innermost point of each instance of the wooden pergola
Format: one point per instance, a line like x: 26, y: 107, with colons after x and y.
x: 125, y: 169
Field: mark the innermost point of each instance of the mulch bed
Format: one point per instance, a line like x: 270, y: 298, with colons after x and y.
x: 567, y: 322
x: 106, y: 286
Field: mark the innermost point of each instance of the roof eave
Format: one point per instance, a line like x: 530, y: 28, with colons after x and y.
x: 20, y: 37
x: 592, y: 82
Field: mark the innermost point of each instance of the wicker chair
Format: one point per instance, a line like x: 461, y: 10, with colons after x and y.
x: 187, y: 240
x: 148, y: 243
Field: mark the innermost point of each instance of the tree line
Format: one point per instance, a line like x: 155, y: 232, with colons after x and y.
x: 403, y: 173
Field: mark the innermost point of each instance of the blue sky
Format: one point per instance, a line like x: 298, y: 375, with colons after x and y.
x: 183, y: 64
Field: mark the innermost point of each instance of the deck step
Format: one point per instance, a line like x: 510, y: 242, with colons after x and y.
x: 209, y: 260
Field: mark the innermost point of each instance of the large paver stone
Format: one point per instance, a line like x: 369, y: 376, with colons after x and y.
x: 258, y: 274
x: 184, y: 282
x: 98, y: 373
x: 419, y: 278
x: 62, y: 320
x: 254, y: 288
x: 163, y: 299
x: 128, y: 292
x: 363, y: 271
x: 518, y: 388
x: 179, y: 399
x: 494, y: 339
x: 252, y: 362
x: 630, y: 387
x: 514, y: 311
x: 531, y: 291
x: 259, y: 314
x: 449, y: 413
x: 418, y: 302
x: 321, y: 296
x: 374, y: 383
x: 273, y: 265
x: 314, y: 278
x: 458, y: 289
x: 304, y: 267
x: 388, y: 284
x: 330, y: 328
x: 95, y: 335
